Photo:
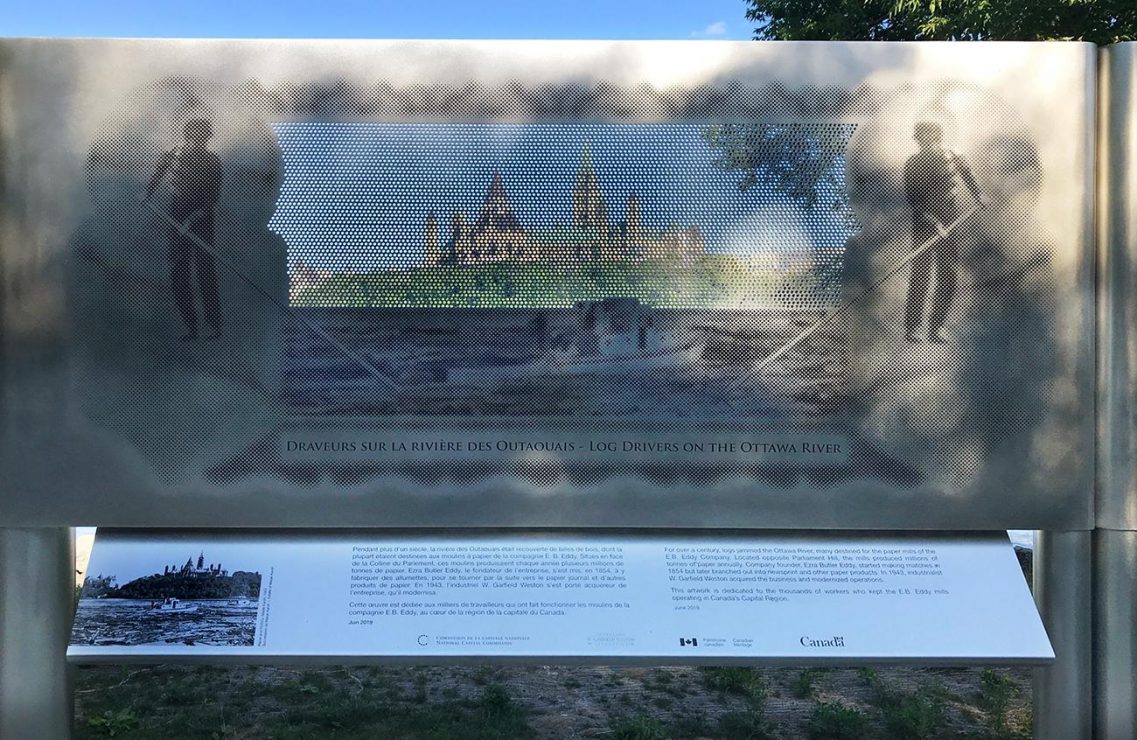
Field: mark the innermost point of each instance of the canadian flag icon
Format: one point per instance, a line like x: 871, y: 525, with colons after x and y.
x: 688, y: 641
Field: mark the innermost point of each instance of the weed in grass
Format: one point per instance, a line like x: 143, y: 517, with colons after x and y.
x: 493, y: 715
x: 996, y: 691
x: 571, y: 683
x: 916, y: 715
x: 420, y: 696
x: 691, y: 725
x: 639, y: 727
x: 749, y: 725
x: 804, y: 683
x: 745, y: 682
x: 495, y: 701
x: 869, y: 676
x: 114, y: 724
x: 832, y: 721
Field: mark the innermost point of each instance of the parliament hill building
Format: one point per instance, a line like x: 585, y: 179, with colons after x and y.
x: 497, y: 235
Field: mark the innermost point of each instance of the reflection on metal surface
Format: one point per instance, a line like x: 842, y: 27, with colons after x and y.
x: 36, y: 602
x: 1117, y: 239
x: 1115, y: 540
x: 1064, y: 691
x: 461, y: 283
x: 1115, y: 632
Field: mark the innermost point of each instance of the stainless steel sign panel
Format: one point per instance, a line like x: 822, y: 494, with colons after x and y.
x: 547, y: 284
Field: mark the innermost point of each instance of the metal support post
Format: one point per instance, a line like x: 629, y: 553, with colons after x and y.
x: 37, y: 592
x: 1063, y: 691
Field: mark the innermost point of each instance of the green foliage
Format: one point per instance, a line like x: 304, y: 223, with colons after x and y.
x: 496, y: 705
x: 483, y: 675
x: 800, y: 160
x: 168, y: 702
x: 869, y: 675
x: 1098, y: 21
x: 708, y: 281
x: 996, y: 692
x: 803, y: 683
x: 911, y: 715
x: 693, y: 724
x: 745, y: 682
x: 639, y: 727
x: 832, y: 721
x: 751, y: 724
x: 113, y: 724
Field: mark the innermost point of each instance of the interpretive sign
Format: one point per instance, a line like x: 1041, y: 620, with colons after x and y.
x: 547, y: 284
x: 762, y: 598
x: 772, y: 597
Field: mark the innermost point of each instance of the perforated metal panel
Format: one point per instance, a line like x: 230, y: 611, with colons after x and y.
x: 549, y: 284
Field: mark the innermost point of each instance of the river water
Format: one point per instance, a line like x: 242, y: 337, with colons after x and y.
x: 133, y: 622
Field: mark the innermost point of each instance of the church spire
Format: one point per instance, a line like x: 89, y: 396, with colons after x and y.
x: 432, y: 253
x: 586, y: 157
x: 588, y: 210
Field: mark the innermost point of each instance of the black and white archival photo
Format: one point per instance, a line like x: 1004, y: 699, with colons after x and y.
x: 133, y: 596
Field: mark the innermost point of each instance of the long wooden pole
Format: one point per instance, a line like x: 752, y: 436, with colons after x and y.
x: 924, y: 247
x: 183, y: 229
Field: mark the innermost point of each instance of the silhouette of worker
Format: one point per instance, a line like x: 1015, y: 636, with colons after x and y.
x: 931, y: 176
x: 195, y: 178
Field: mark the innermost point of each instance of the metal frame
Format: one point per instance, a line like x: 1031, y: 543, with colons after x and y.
x: 1115, y: 539
x: 1085, y: 582
x: 89, y: 418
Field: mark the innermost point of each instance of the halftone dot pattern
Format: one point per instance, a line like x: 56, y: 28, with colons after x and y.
x: 953, y: 178
x: 716, y: 259
x: 535, y: 216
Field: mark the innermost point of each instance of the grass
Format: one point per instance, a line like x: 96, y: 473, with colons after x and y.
x: 751, y: 724
x: 909, y: 715
x: 804, y: 684
x: 191, y: 705
x: 997, y: 693
x: 745, y: 682
x: 833, y: 721
x: 412, y: 703
x: 639, y: 727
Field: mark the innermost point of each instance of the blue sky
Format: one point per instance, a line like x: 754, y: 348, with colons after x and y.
x: 580, y: 19
x: 357, y: 195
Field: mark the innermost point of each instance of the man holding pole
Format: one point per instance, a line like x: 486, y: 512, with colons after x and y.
x: 930, y: 178
x: 195, y: 178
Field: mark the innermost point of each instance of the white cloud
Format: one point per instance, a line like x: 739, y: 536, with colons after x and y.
x: 718, y: 28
